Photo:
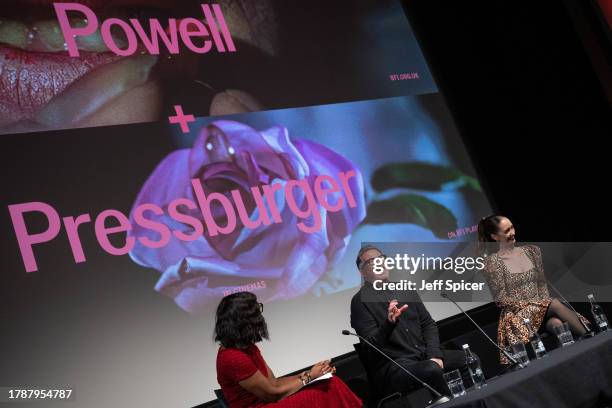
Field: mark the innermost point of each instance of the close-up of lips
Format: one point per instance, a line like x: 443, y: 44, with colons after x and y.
x: 43, y: 88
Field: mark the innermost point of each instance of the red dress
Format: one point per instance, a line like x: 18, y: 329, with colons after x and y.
x: 235, y: 365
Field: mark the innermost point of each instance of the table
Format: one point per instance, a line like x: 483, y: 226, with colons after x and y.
x: 579, y: 375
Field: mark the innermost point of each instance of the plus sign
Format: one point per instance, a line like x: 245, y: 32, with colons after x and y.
x: 181, y: 118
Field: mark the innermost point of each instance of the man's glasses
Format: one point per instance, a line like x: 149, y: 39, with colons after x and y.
x: 260, y: 306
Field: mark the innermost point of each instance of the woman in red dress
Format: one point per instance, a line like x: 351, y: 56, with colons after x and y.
x: 245, y: 378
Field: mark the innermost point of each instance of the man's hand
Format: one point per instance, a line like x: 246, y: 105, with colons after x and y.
x: 394, y: 312
x: 438, y: 362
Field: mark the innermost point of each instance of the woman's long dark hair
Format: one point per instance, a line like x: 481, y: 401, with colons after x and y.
x: 487, y: 226
x: 239, y: 321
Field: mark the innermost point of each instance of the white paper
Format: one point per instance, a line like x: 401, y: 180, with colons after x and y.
x: 323, y: 377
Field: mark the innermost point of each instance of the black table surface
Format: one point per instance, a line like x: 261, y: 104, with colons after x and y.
x: 578, y: 375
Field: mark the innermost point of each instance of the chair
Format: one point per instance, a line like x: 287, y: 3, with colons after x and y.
x: 221, y: 398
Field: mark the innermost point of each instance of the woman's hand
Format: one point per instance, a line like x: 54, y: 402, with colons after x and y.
x: 321, y: 368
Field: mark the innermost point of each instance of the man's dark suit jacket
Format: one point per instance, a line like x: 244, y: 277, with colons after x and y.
x: 414, y: 336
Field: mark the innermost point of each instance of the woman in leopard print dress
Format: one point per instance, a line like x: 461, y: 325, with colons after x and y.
x: 515, y: 275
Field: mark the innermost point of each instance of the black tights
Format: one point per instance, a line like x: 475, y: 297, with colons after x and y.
x: 558, y: 313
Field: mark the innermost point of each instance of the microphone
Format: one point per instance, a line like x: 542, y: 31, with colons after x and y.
x: 439, y: 398
x: 589, y: 332
x: 504, y: 352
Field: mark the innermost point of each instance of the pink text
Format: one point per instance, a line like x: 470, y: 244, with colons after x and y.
x: 213, y: 31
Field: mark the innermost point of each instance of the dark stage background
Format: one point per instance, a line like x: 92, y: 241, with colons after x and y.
x: 530, y: 107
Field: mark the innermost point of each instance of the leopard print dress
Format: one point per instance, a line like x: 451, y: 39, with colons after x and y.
x: 520, y: 296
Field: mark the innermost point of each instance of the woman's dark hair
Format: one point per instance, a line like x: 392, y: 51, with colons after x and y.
x: 487, y: 226
x: 239, y: 322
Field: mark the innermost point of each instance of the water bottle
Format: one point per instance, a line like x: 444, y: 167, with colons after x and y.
x: 473, y: 363
x: 598, y: 314
x: 536, y: 342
